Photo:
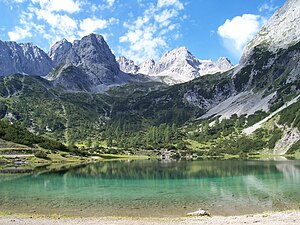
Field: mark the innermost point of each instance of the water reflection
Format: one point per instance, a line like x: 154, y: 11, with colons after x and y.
x: 175, y: 170
x: 155, y: 188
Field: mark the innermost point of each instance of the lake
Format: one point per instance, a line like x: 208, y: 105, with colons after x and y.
x: 155, y: 188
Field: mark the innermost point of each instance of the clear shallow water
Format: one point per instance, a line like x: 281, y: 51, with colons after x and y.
x: 153, y: 188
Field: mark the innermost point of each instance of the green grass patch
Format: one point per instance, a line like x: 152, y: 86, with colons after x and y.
x: 297, y: 155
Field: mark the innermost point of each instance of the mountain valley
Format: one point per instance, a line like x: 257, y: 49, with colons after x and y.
x: 80, y: 95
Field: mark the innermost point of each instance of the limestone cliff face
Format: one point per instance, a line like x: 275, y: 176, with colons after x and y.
x: 59, y: 50
x: 281, y: 31
x: 88, y: 64
x: 25, y: 58
x: 127, y: 65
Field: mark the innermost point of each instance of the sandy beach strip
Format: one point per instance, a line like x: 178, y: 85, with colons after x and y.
x: 275, y: 218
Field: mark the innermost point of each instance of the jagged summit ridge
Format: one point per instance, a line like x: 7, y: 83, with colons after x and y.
x: 24, y: 58
x: 177, y: 66
x: 59, y: 50
x: 90, y: 61
x: 93, y: 54
x: 88, y: 65
x: 127, y: 65
x: 147, y: 66
x: 85, y: 64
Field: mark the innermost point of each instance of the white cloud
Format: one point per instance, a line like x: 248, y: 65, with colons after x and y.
x: 237, y: 32
x: 110, y: 2
x: 165, y: 3
x: 69, y: 6
x: 164, y: 18
x: 106, y: 4
x: 269, y: 7
x: 91, y: 25
x: 49, y: 24
x: 25, y: 29
x: 52, y: 20
x: 148, y: 35
x: 60, y: 24
x: 19, y: 33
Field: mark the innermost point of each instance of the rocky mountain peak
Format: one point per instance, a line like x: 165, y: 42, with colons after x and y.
x: 88, y: 65
x: 127, y: 65
x: 94, y: 55
x: 279, y: 32
x: 224, y: 64
x: 147, y: 66
x: 180, y: 65
x: 179, y: 59
x: 176, y: 66
x: 59, y: 50
x: 25, y: 58
x: 177, y: 53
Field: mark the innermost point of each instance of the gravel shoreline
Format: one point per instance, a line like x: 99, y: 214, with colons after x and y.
x: 274, y: 218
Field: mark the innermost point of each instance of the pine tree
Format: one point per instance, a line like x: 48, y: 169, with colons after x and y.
x: 167, y: 133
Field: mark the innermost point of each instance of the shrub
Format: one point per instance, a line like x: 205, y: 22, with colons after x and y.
x: 41, y: 155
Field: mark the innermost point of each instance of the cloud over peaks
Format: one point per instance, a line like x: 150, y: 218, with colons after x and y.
x: 57, y: 19
x: 165, y: 3
x: 148, y: 34
x: 237, y: 32
x: 91, y: 25
x: 69, y: 6
x: 19, y: 33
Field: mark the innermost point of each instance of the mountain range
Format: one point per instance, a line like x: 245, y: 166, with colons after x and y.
x: 84, y: 93
x: 176, y: 66
x: 89, y: 65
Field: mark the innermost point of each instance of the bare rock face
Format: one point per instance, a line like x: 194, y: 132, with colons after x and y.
x: 146, y: 67
x: 91, y: 60
x: 59, y: 50
x: 24, y: 58
x: 281, y: 31
x: 127, y: 65
x: 224, y: 64
x: 289, y: 138
x: 178, y: 66
x: 275, y: 48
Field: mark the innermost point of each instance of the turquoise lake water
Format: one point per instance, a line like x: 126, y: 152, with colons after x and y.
x: 155, y: 188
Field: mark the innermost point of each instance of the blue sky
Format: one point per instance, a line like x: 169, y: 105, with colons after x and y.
x: 140, y: 29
